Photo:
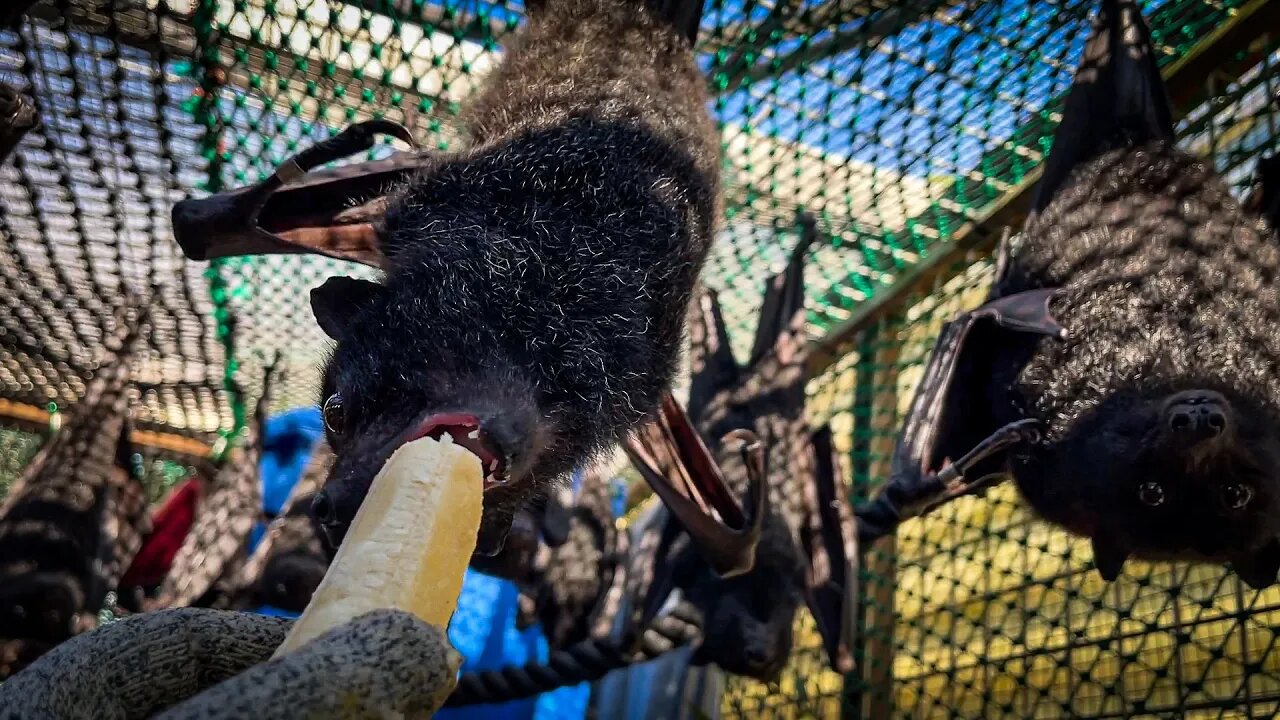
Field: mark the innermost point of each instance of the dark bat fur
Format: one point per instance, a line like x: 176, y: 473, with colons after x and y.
x: 539, y: 279
x: 1159, y: 409
x: 1266, y: 198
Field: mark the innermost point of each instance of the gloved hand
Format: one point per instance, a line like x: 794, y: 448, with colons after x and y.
x: 201, y: 663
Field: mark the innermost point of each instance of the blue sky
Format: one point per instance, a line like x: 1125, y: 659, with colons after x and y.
x: 932, y: 100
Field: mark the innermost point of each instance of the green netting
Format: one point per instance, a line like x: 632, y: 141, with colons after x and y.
x: 907, y: 128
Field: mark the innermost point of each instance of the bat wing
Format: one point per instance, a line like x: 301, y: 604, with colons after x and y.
x: 951, y: 415
x: 830, y: 541
x: 1118, y: 98
x: 334, y: 212
x: 671, y: 457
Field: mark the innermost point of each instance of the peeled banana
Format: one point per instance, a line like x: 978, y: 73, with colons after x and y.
x: 409, y: 544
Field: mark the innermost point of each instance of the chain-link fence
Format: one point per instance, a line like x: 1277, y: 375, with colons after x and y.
x: 911, y: 130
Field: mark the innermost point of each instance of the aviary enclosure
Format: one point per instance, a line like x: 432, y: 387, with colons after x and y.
x: 912, y: 131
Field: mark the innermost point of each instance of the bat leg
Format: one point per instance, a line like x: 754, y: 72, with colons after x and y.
x: 910, y: 494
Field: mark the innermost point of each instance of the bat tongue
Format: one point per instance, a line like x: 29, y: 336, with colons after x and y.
x: 465, y: 430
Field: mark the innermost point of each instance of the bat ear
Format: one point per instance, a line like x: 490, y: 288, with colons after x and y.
x: 1258, y: 569
x: 1118, y: 98
x: 1109, y: 557
x: 339, y: 300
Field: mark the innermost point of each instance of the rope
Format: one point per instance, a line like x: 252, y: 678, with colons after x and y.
x: 586, y: 661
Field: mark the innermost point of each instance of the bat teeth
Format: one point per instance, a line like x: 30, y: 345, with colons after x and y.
x: 493, y: 466
x: 474, y: 434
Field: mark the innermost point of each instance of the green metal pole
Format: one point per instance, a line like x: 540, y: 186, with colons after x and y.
x: 208, y: 115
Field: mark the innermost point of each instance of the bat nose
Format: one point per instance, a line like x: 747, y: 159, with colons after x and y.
x: 757, y: 657
x: 1199, y: 417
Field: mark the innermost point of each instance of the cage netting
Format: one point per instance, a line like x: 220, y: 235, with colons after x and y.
x: 912, y: 131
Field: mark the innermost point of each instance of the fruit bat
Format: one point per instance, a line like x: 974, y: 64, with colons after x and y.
x: 750, y: 568
x: 75, y: 516
x: 1122, y: 369
x: 580, y: 554
x: 535, y: 283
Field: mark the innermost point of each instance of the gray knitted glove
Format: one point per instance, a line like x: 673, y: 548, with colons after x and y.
x: 201, y: 663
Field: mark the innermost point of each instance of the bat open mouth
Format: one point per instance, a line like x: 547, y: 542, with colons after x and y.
x: 465, y: 430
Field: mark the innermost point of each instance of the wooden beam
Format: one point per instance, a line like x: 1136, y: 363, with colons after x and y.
x: 36, y: 419
x: 1215, y: 56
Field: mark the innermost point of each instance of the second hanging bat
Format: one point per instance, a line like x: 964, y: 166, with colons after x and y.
x: 1123, y: 369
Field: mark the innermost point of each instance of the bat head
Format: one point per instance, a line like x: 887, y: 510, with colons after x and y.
x: 40, y: 606
x: 748, y: 618
x: 388, y: 383
x: 1191, y: 473
x: 290, y: 579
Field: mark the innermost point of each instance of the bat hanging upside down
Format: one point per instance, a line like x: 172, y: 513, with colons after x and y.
x: 1124, y: 367
x: 537, y: 283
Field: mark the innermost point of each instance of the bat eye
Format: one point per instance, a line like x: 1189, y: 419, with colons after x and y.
x: 1151, y: 493
x: 335, y: 417
x: 1237, y: 495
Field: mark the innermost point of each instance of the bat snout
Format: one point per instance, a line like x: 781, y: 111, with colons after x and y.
x: 1198, y: 416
